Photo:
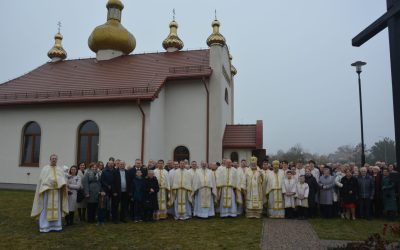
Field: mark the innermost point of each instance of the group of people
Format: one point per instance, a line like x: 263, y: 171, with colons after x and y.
x: 117, y: 193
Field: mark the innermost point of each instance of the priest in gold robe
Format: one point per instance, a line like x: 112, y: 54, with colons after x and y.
x: 274, y: 181
x: 162, y: 196
x: 252, y: 187
x: 51, y: 198
x: 181, y: 193
x: 204, y: 192
x: 228, y: 190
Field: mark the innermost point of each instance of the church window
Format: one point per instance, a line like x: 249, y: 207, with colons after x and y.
x: 234, y: 157
x: 181, y: 153
x: 226, y: 96
x: 88, y: 142
x: 31, y: 145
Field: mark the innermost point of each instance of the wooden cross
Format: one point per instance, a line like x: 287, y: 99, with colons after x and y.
x: 391, y: 20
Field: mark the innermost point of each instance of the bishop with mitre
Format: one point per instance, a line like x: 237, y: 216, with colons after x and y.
x: 252, y: 187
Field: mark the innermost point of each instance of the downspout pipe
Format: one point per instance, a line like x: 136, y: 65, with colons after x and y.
x: 143, y: 127
x: 207, y: 119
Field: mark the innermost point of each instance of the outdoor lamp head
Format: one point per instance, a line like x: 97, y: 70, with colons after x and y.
x: 358, y: 66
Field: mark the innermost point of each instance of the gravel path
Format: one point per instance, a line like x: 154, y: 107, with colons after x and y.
x: 289, y: 234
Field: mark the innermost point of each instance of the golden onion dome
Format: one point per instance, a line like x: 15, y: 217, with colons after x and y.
x: 216, y: 37
x: 57, y: 51
x: 173, y: 42
x: 115, y: 3
x: 112, y: 35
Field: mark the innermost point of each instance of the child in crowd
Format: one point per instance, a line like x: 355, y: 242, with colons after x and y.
x: 101, y: 213
x: 302, y: 190
x: 289, y: 192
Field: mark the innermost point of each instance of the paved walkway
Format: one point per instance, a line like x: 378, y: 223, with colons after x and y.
x: 289, y: 234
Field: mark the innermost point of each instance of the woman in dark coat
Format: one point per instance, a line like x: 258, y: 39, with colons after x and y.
x: 377, y: 202
x: 150, y: 201
x: 313, y: 189
x: 138, y: 196
x: 348, y: 194
x: 388, y: 196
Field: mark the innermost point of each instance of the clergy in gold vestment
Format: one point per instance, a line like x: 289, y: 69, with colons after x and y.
x: 274, y: 192
x: 51, y: 198
x: 181, y: 193
x: 163, y: 182
x: 204, y: 192
x: 252, y: 185
x: 228, y: 190
x: 242, y: 173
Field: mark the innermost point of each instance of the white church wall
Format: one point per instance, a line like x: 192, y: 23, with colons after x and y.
x: 185, y: 118
x: 119, y: 129
x: 220, y: 111
x: 156, y: 139
x: 243, y: 153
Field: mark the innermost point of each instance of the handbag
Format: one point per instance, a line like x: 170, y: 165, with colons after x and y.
x: 80, y: 195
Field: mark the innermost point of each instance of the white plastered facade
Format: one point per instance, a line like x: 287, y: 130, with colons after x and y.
x: 177, y: 117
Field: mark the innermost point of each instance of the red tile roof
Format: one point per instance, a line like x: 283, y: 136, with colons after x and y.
x: 132, y: 77
x: 243, y: 136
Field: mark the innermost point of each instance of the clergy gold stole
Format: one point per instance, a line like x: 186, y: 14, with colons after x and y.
x: 255, y: 190
x: 162, y: 199
x: 52, y: 204
x: 205, y: 197
x: 181, y: 199
x: 227, y: 196
x: 276, y: 199
x: 205, y: 191
x: 162, y: 194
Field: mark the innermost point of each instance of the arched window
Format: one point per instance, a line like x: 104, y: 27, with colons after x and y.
x: 234, y: 157
x: 181, y: 153
x: 88, y: 142
x: 226, y: 96
x: 31, y: 145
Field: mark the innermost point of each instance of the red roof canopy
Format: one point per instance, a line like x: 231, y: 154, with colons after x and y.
x: 244, y: 136
x: 131, y: 77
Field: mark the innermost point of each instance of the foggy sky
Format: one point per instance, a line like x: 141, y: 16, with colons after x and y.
x: 293, y: 58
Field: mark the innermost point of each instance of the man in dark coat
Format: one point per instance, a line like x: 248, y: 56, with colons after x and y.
x: 366, y: 191
x: 120, y: 188
x: 313, y: 188
x: 151, y: 190
x: 107, y: 179
x: 131, y: 175
x: 169, y: 165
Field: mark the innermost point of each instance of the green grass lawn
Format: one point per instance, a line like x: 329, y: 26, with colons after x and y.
x: 19, y: 231
x: 339, y: 229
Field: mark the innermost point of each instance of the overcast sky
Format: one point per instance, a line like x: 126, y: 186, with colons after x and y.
x: 293, y: 58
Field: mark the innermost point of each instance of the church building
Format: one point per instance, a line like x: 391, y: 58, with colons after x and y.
x: 177, y: 104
